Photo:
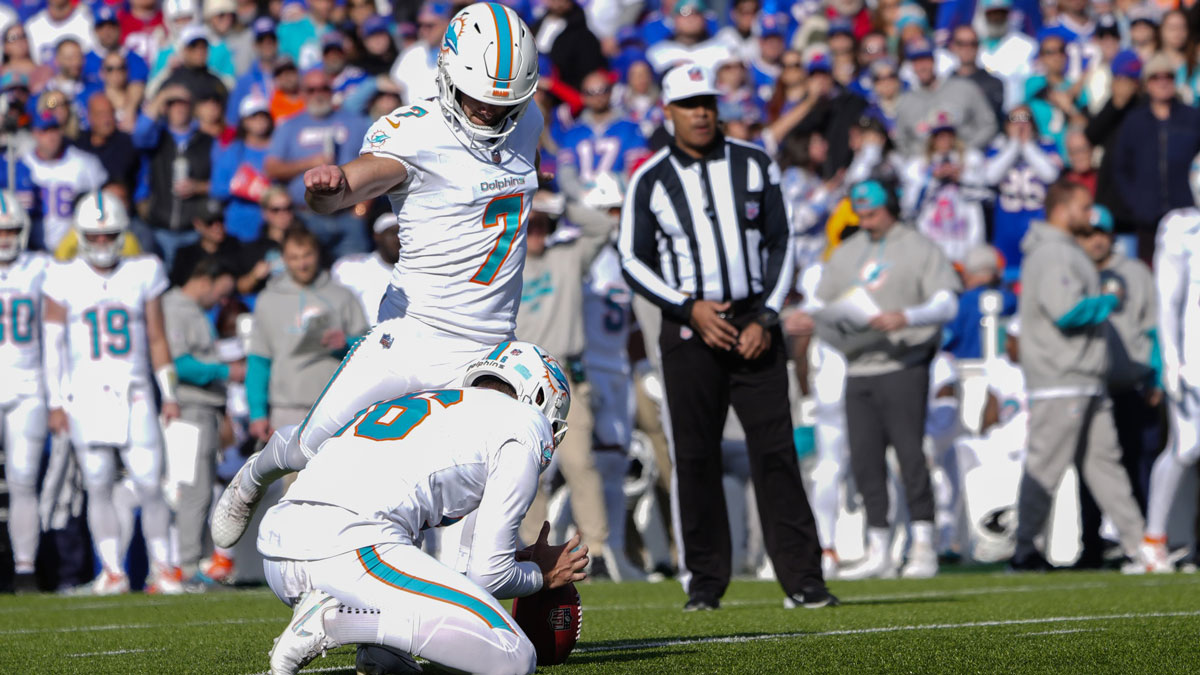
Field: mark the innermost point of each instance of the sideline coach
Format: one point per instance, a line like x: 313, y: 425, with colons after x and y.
x: 704, y: 236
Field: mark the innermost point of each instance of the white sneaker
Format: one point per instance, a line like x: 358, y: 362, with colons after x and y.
x: 304, y: 639
x: 381, y: 660
x: 1154, y: 555
x: 922, y: 563
x: 878, y: 563
x: 165, y: 581
x: 234, y: 509
x: 110, y: 583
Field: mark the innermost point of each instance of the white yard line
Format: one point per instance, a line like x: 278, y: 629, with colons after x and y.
x: 677, y: 642
x: 121, y: 602
x: 1061, y: 632
x: 135, y: 626
x: 116, y: 652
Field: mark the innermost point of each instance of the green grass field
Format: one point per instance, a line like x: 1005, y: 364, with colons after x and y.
x: 957, y: 623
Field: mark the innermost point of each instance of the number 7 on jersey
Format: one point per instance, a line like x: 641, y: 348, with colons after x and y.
x: 503, y: 212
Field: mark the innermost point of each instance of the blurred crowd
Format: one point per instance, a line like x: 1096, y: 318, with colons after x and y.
x: 203, y: 115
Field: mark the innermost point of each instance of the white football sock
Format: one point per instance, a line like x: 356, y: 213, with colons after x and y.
x: 156, y: 522
x: 24, y: 529
x: 281, y: 456
x: 354, y: 625
x: 1164, y: 483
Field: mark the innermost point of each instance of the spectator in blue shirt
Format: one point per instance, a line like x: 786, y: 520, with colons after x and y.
x: 321, y: 134
x: 259, y: 77
x: 108, y: 41
x: 238, y: 176
x: 981, y: 273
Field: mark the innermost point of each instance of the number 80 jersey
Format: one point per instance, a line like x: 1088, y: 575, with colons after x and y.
x: 20, y: 336
x: 106, y: 320
x: 462, y: 218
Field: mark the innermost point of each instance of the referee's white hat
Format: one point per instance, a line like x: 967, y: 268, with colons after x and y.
x: 687, y: 81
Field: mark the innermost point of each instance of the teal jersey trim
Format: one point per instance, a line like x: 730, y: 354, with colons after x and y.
x: 196, y: 372
x: 1156, y: 362
x: 391, y: 576
x: 1089, y: 311
x: 258, y: 385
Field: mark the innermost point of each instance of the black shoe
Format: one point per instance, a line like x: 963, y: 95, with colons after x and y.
x: 813, y: 598
x: 1033, y: 562
x: 599, y: 570
x: 701, y: 604
x: 25, y: 582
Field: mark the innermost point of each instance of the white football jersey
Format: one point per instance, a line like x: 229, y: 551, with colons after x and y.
x: 1177, y: 278
x: 367, y: 275
x: 607, y: 314
x: 59, y: 182
x: 20, y: 324
x: 420, y: 461
x: 106, y: 319
x: 462, y: 221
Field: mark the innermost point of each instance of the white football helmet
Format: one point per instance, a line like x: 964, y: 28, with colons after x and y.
x: 488, y: 54
x: 101, y: 213
x: 536, y: 376
x: 606, y: 191
x: 13, y: 217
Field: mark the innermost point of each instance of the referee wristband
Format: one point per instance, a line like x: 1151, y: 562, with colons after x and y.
x: 167, y: 382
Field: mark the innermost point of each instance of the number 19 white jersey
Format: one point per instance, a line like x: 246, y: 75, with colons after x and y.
x: 20, y: 333
x: 106, y: 320
x: 462, y: 221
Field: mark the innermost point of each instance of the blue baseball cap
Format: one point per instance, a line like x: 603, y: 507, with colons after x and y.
x: 819, y: 63
x: 770, y: 25
x: 918, y: 49
x: 869, y: 194
x: 1102, y: 218
x: 1127, y: 64
x: 263, y: 26
x: 839, y: 27
x: 374, y: 24
x: 46, y: 120
x: 103, y: 14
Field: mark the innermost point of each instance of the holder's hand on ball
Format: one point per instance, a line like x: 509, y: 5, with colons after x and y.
x: 560, y: 565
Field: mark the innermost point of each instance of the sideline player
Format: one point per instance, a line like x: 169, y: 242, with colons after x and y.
x: 461, y: 173
x: 1177, y: 277
x: 106, y: 311
x: 342, y: 545
x: 22, y: 400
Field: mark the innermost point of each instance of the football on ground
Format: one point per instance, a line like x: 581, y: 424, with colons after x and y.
x: 552, y: 620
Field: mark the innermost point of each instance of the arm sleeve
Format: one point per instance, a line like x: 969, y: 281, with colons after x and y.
x: 941, y: 307
x: 998, y: 164
x: 258, y: 381
x: 54, y: 360
x: 638, y: 247
x: 1044, y: 165
x: 146, y: 132
x: 1170, y: 277
x: 1089, y: 311
x: 194, y: 371
x: 511, y: 486
x: 777, y: 240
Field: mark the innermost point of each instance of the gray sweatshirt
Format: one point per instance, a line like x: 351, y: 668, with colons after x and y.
x: 1129, y: 341
x: 901, y: 271
x: 1056, y: 275
x: 551, y: 313
x: 288, y: 323
x: 962, y: 98
x: 189, y: 332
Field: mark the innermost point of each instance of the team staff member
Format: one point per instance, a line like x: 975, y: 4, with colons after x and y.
x: 704, y: 235
x: 887, y: 374
x: 1064, y: 355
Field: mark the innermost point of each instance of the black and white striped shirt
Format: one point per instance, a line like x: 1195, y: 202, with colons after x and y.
x: 713, y: 228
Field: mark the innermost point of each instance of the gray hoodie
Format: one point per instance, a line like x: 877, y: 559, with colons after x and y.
x: 288, y: 323
x: 963, y: 99
x: 1056, y: 275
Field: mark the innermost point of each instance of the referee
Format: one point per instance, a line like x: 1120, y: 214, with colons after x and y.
x: 704, y: 236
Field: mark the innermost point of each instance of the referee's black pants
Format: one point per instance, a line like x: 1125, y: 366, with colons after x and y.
x: 700, y: 384
x: 884, y: 410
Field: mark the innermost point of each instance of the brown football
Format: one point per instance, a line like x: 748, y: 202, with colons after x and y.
x: 552, y: 620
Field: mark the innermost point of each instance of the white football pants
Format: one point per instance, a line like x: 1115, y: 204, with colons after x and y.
x: 414, y: 603
x: 1178, y: 458
x: 23, y: 434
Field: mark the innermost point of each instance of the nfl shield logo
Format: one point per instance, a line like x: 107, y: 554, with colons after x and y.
x: 752, y: 210
x: 560, y: 619
x: 386, y: 340
x: 695, y: 74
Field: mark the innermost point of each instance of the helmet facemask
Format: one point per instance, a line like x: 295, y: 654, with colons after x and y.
x: 102, y: 255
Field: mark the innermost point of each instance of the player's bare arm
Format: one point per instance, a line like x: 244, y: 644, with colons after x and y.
x: 54, y: 318
x: 160, y: 358
x: 330, y: 188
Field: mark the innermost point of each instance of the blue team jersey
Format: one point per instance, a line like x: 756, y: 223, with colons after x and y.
x: 135, y: 66
x: 1020, y: 196
x: 615, y: 148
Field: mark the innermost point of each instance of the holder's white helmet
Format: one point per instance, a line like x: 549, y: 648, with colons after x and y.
x: 536, y: 376
x: 606, y: 191
x: 101, y: 213
x: 488, y: 54
x: 13, y: 217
